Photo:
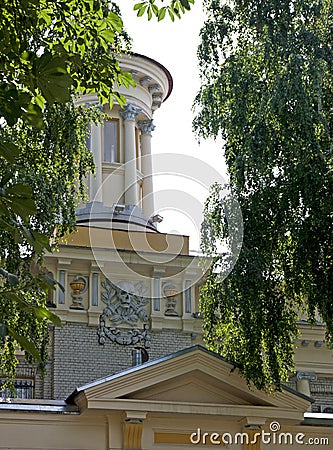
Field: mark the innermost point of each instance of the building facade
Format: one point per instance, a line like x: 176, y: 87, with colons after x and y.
x: 128, y: 369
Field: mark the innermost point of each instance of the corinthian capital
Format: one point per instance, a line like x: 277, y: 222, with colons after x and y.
x: 146, y: 126
x: 129, y: 111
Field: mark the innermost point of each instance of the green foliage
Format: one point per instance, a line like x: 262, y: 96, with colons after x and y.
x: 267, y: 89
x: 50, y: 49
x: 39, y: 193
x: 49, y: 52
x: 174, y: 9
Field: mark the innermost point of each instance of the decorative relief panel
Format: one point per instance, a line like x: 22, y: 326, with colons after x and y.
x: 170, y: 291
x: 125, y: 306
x: 79, y: 286
x: 124, y: 303
x: 173, y: 300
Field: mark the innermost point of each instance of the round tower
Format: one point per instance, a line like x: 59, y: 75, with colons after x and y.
x: 121, y: 194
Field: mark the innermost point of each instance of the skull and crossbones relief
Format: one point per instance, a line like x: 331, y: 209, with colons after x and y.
x: 124, y: 304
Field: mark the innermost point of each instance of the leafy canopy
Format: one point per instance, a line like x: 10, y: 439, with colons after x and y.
x: 153, y: 8
x: 49, y: 52
x: 267, y: 89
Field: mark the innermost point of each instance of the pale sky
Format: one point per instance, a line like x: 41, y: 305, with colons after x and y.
x: 174, y: 44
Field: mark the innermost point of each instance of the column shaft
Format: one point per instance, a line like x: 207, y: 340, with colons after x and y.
x: 146, y: 127
x: 96, y: 191
x: 128, y: 114
x: 131, y: 187
x: 147, y: 170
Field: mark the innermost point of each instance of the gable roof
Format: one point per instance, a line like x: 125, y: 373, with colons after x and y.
x: 142, y: 366
x: 193, y: 380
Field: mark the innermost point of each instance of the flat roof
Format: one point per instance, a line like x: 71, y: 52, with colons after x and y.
x: 37, y: 406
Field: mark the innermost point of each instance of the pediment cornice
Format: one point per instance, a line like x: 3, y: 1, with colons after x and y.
x: 192, y: 381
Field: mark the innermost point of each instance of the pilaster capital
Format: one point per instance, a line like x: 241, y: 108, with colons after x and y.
x: 158, y: 272
x: 136, y: 415
x: 64, y: 264
x: 311, y: 376
x: 146, y: 126
x: 96, y: 267
x: 129, y: 111
x: 253, y: 423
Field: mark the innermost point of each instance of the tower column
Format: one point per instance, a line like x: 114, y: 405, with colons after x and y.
x: 128, y: 114
x: 146, y: 127
x: 96, y: 191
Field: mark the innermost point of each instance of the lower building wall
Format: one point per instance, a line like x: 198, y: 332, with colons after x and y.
x: 78, y: 358
x: 31, y: 431
x: 52, y: 432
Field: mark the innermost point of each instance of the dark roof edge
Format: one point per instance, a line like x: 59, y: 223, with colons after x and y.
x: 37, y: 407
x: 70, y: 399
x: 298, y: 394
x: 165, y: 70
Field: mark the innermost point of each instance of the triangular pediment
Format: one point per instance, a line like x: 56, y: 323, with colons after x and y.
x: 193, y: 386
x: 194, y: 377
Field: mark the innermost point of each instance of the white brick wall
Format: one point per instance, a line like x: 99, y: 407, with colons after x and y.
x: 79, y: 358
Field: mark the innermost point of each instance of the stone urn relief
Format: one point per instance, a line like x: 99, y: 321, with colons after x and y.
x: 170, y: 291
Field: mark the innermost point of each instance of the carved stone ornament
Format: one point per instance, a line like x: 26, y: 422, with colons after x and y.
x: 144, y: 81
x: 122, y: 337
x: 146, y: 126
x: 170, y: 291
x: 157, y: 96
x: 125, y: 305
x: 156, y: 105
x: 154, y: 87
x: 311, y: 376
x: 129, y: 112
x: 79, y: 286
